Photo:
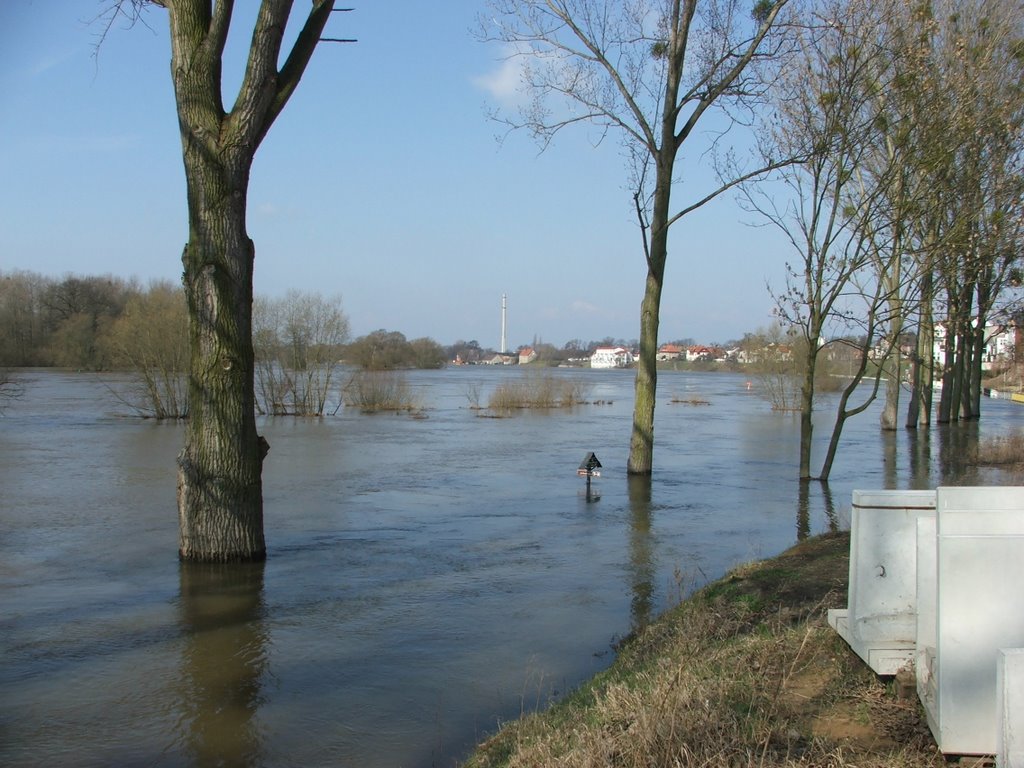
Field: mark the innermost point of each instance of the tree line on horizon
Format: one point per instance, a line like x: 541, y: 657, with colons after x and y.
x: 105, y: 322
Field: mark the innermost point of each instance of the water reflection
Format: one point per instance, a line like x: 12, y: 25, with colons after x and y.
x: 803, y: 508
x: 958, y: 444
x: 919, y: 451
x: 641, y: 551
x: 890, y: 468
x: 223, y: 663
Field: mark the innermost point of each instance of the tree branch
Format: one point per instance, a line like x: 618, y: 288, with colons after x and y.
x: 732, y: 183
x: 715, y: 91
x: 301, y: 53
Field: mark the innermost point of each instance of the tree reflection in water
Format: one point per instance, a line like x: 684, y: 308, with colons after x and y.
x: 920, y: 454
x: 803, y: 508
x: 958, y: 447
x: 224, y: 659
x: 641, y: 551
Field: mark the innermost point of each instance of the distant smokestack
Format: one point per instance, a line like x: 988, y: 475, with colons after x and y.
x: 504, y: 347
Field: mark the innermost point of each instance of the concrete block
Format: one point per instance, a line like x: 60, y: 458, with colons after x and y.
x: 1010, y: 708
x: 979, y: 609
x: 880, y: 621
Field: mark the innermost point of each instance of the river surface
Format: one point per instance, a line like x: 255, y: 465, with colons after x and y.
x: 428, y: 575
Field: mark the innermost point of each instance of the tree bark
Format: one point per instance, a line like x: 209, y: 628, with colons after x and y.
x: 919, y: 411
x: 220, y: 493
x: 807, y: 411
x: 890, y: 409
x: 641, y: 444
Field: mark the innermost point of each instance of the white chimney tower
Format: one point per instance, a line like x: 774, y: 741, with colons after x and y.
x: 504, y: 347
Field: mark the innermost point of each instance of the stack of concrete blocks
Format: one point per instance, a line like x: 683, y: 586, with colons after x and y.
x: 880, y: 620
x: 970, y: 622
x: 937, y: 585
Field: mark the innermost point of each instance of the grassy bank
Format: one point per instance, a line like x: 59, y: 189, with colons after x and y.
x: 745, y: 673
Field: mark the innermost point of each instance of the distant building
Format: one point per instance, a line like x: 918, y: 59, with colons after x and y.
x: 702, y: 353
x: 611, y: 357
x: 527, y: 355
x: 1000, y: 344
x: 668, y: 352
x: 499, y: 359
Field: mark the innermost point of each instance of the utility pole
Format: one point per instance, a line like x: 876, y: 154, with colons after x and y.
x: 504, y: 346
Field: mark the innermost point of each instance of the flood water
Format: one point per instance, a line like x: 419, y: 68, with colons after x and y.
x: 427, y: 577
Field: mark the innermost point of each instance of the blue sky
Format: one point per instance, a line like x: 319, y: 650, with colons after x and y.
x: 382, y: 183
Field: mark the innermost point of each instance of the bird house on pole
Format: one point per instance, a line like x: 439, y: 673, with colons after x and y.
x: 589, y: 467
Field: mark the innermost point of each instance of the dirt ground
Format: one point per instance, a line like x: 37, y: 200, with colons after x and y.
x: 835, y: 696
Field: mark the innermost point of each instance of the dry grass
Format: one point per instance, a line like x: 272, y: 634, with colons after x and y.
x: 372, y: 391
x: 1002, y: 451
x: 691, y: 400
x: 746, y: 673
x: 538, y: 390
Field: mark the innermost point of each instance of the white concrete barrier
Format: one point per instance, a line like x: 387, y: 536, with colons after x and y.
x: 1010, y: 708
x: 971, y: 603
x: 880, y: 620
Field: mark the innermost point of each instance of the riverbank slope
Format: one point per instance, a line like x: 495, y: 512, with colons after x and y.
x: 746, y: 672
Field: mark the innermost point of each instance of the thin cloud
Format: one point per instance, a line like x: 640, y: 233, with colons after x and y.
x: 584, y: 307
x: 44, y: 64
x: 505, y: 83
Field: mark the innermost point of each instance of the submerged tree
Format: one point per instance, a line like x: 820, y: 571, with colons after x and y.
x: 650, y: 70
x: 298, y: 341
x: 977, y: 57
x: 150, y: 339
x: 10, y: 388
x: 220, y: 491
x: 846, y: 272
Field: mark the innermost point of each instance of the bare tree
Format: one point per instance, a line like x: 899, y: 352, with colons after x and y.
x: 848, y: 267
x: 150, y: 339
x: 775, y: 363
x: 650, y: 71
x: 963, y: 86
x: 22, y: 336
x: 220, y: 492
x: 79, y: 311
x: 298, y: 341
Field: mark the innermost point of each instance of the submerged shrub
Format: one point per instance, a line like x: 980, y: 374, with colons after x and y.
x: 1008, y: 449
x: 538, y: 391
x: 379, y: 391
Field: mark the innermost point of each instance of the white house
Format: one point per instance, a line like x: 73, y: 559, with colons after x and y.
x: 999, y: 344
x: 611, y: 357
x: 668, y: 352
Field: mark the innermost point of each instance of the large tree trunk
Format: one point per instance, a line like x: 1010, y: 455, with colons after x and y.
x: 641, y: 444
x: 807, y: 410
x: 972, y: 363
x: 220, y: 499
x: 220, y: 495
x: 919, y: 412
x: 890, y: 409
